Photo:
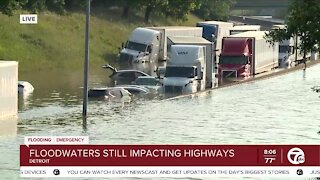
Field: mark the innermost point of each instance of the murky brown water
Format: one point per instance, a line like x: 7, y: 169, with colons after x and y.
x: 279, y: 110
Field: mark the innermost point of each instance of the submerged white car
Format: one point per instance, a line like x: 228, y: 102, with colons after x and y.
x: 25, y: 87
x: 134, y: 89
x: 109, y: 92
x: 149, y: 82
x: 124, y: 76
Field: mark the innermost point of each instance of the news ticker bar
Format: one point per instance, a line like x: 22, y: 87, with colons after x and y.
x: 175, y: 171
x: 170, y: 155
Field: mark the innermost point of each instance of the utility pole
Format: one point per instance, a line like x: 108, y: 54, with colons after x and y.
x: 86, y: 66
x: 296, y: 48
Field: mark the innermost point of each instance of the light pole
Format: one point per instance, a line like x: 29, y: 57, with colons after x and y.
x: 86, y: 67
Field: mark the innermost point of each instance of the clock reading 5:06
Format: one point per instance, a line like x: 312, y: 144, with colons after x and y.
x: 270, y: 151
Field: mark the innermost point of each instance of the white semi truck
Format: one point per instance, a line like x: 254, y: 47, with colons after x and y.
x: 209, y: 53
x: 150, y: 43
x: 287, y: 51
x: 185, y: 70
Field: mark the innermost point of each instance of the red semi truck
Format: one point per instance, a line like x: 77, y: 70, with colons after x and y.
x: 246, y: 54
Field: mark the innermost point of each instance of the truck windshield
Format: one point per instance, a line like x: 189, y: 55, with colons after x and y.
x: 232, y: 32
x: 284, y: 49
x: 136, y: 46
x: 233, y: 60
x: 188, y: 72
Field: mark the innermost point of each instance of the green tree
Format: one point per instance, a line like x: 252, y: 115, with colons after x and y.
x: 153, y: 6
x: 9, y: 6
x: 128, y: 5
x: 179, y: 9
x: 57, y: 6
x: 302, y: 21
x: 214, y: 9
x: 76, y: 4
x: 35, y: 6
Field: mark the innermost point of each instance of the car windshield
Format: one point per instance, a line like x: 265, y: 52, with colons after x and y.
x: 188, y: 72
x: 233, y: 60
x: 146, y: 81
x: 115, y: 92
x: 136, y: 46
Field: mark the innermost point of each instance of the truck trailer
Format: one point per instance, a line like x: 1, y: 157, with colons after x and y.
x: 215, y: 31
x: 243, y: 28
x: 150, y: 43
x: 246, y: 54
x: 209, y: 53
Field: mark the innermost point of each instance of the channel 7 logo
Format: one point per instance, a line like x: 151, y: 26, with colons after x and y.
x: 56, y: 172
x: 299, y: 172
x: 296, y: 156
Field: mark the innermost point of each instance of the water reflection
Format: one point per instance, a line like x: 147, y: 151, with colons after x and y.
x: 24, y: 101
x: 8, y: 126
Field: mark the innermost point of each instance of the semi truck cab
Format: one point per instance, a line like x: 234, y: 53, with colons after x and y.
x: 286, y: 50
x: 240, y: 67
x: 185, y: 70
x: 247, y: 54
x: 236, y: 58
x: 142, y: 46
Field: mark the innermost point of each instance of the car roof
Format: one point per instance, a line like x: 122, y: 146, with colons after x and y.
x: 133, y: 87
x: 146, y: 77
x: 131, y: 70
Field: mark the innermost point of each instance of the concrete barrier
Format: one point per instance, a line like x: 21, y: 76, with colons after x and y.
x: 261, y: 76
x: 8, y: 89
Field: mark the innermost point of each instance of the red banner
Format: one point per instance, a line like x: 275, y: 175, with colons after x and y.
x: 170, y: 155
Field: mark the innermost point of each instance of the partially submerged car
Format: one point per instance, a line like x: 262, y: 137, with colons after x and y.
x: 108, y: 92
x: 149, y: 82
x: 25, y: 87
x: 134, y: 89
x: 124, y: 76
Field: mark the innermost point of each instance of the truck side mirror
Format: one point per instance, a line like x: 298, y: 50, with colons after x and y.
x: 200, y: 76
x: 149, y: 49
x: 292, y: 50
x: 213, y: 38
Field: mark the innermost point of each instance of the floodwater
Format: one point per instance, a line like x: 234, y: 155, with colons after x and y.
x: 278, y: 110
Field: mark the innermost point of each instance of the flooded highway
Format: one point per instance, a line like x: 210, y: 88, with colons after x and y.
x: 278, y: 110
